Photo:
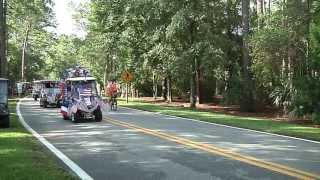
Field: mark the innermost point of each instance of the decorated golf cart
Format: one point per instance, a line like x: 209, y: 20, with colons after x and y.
x: 4, y: 111
x: 23, y: 88
x: 36, y: 89
x: 50, y: 93
x: 80, y: 96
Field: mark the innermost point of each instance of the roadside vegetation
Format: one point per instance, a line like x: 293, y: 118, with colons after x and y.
x: 266, y: 125
x: 23, y: 157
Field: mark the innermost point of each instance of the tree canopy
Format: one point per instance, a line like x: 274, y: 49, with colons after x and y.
x: 263, y: 52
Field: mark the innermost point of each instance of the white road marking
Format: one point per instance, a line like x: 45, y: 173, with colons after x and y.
x: 73, y: 166
x: 222, y: 125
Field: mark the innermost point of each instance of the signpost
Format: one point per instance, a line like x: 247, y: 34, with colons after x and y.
x: 127, y: 77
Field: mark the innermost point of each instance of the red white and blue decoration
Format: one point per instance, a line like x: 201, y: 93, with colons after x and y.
x: 78, y: 93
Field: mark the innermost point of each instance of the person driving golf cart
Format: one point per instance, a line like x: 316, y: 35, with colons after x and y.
x: 49, y: 94
x: 36, y: 88
x: 81, y: 100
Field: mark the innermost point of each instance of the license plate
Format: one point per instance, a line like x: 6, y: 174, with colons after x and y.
x: 88, y: 116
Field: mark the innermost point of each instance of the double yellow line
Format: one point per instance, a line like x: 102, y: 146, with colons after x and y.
x: 219, y: 151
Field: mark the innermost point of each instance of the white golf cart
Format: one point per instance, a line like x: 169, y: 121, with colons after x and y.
x: 50, y: 93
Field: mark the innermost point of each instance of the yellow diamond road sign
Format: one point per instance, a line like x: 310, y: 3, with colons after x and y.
x: 127, y: 76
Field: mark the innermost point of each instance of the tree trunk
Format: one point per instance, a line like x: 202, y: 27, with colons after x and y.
x: 269, y: 7
x: 308, y: 47
x: 155, y: 86
x: 247, y: 101
x: 105, y: 75
x: 169, y: 93
x: 260, y: 12
x: 123, y: 90
x: 217, y: 87
x: 24, y: 48
x: 290, y: 67
x: 127, y: 92
x: 3, y: 41
x: 193, y: 89
x: 164, y: 89
x: 198, y: 82
x: 132, y: 91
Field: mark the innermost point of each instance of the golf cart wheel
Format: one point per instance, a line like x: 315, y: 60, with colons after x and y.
x: 65, y: 117
x: 97, y: 115
x: 6, y: 122
x: 45, y: 104
x: 115, y: 105
x: 74, y: 118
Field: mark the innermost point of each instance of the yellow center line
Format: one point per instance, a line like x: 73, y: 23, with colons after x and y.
x: 219, y: 151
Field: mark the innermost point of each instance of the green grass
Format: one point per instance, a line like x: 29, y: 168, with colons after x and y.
x: 277, y: 127
x: 23, y: 157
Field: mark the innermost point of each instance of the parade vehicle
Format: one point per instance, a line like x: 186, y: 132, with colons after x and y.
x: 4, y: 110
x: 80, y: 98
x: 36, y: 88
x: 23, y: 88
x: 50, y: 93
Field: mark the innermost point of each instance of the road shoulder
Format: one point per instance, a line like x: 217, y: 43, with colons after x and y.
x: 68, y: 162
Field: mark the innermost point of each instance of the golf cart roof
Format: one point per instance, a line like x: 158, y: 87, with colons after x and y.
x: 37, y: 81
x: 46, y: 81
x: 81, y: 79
x: 3, y: 79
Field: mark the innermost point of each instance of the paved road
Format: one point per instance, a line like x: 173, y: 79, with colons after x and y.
x: 136, y: 145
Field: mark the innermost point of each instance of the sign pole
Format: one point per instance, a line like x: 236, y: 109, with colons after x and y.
x: 127, y: 77
x: 127, y: 92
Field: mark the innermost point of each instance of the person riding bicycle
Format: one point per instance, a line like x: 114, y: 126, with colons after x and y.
x: 112, y: 92
x: 112, y: 88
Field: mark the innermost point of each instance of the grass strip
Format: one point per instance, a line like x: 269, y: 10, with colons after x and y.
x: 266, y: 125
x: 23, y: 157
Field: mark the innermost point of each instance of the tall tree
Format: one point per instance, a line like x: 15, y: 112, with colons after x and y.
x: 27, y: 23
x: 247, y: 100
x: 3, y: 39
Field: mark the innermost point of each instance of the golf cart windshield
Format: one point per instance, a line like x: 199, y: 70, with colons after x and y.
x: 3, y: 92
x: 52, y: 87
x: 36, y: 86
x: 84, y: 88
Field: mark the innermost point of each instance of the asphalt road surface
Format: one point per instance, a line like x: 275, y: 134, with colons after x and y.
x: 136, y: 145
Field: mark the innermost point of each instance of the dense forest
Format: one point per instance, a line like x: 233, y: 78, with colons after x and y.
x: 252, y: 53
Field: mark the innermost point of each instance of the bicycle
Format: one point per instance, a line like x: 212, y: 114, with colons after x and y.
x: 113, y: 103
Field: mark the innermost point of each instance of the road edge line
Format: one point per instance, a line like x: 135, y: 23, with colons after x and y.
x: 72, y: 165
x: 228, y: 126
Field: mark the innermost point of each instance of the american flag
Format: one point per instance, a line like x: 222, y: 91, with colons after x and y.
x: 65, y: 92
x: 85, y: 92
